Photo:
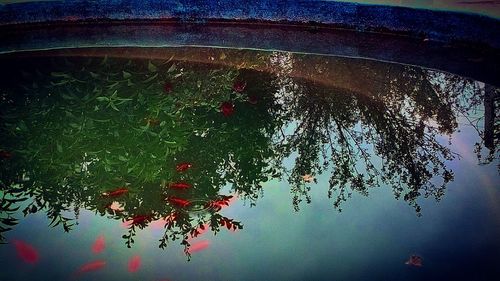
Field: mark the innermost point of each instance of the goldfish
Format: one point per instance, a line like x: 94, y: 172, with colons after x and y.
x: 181, y: 167
x: 414, y: 261
x: 221, y: 203
x: 168, y: 87
x: 134, y: 264
x: 178, y: 201
x: 92, y: 266
x: 5, y: 154
x: 26, y: 252
x: 227, y: 108
x: 199, y: 246
x: 180, y: 185
x: 115, y: 193
x: 99, y: 245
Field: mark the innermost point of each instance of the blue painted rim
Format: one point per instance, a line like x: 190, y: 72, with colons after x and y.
x: 435, y: 25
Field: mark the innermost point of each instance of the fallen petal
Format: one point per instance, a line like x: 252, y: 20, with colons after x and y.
x: 414, y: 260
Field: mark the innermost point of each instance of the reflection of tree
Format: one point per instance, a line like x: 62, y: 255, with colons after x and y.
x: 465, y: 98
x: 387, y: 134
x: 75, y: 130
x: 342, y: 133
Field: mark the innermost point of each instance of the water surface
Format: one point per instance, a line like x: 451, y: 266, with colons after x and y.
x: 198, y: 163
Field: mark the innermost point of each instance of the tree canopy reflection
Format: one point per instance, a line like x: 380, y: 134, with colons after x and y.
x: 145, y: 141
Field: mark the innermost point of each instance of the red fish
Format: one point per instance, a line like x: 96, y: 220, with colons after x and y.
x: 239, y: 86
x: 92, y: 266
x: 180, y: 185
x: 227, y: 108
x: 199, y: 246
x: 5, y: 154
x: 414, y: 261
x: 221, y: 203
x: 181, y: 167
x: 99, y: 245
x: 117, y: 192
x: 179, y: 202
x: 134, y: 264
x: 26, y: 252
x: 168, y: 87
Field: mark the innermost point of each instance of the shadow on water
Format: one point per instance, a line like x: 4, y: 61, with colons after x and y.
x: 155, y: 141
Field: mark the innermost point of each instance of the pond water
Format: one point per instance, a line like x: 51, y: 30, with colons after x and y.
x: 220, y: 164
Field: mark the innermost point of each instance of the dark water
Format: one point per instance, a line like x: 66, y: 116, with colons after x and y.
x: 211, y: 164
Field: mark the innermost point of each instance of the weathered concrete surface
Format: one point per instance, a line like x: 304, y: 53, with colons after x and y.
x: 435, y: 25
x: 481, y: 64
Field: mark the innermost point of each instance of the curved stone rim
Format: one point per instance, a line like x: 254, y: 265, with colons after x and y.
x: 435, y: 25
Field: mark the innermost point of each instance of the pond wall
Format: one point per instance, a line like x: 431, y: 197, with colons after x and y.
x: 430, y: 24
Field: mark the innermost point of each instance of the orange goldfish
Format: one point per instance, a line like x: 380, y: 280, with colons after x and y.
x: 91, y: 266
x: 115, y: 193
x: 181, y: 167
x: 99, y: 245
x: 199, y: 246
x: 180, y: 185
x: 179, y: 202
x: 26, y: 252
x: 134, y: 264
